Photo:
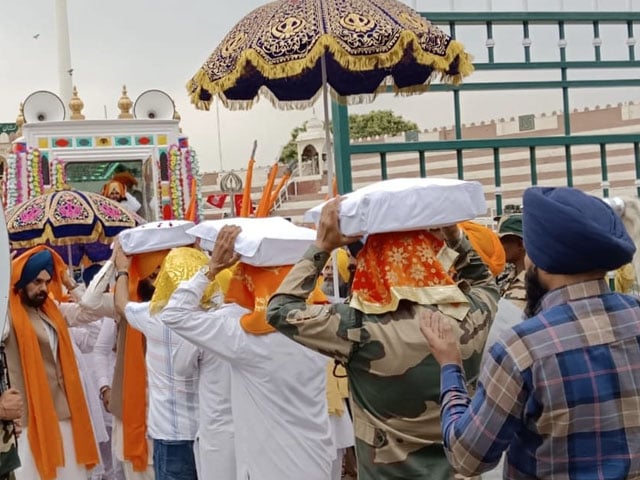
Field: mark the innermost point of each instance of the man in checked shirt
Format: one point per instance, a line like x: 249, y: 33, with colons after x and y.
x: 559, y: 391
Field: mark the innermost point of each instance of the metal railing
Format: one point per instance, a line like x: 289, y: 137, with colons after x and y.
x: 608, y: 77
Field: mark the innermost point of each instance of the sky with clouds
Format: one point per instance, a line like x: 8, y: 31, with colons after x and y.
x: 160, y: 44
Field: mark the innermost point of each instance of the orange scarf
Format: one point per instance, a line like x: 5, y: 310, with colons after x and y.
x: 43, y: 434
x: 396, y: 266
x: 251, y: 287
x: 487, y: 244
x: 134, y: 383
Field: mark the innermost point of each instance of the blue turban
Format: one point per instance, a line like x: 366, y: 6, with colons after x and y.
x: 43, y: 260
x: 567, y: 231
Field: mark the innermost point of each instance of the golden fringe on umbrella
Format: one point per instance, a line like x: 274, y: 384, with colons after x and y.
x: 407, y: 40
x: 49, y: 236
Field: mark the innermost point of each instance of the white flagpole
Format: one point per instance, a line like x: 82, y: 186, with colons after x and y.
x: 64, y: 52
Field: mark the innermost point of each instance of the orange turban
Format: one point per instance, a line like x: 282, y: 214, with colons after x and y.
x: 114, y: 186
x: 125, y: 178
x: 487, y: 244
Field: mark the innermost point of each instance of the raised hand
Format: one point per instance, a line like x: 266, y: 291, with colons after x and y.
x: 441, y: 338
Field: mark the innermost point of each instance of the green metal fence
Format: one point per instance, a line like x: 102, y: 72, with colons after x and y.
x: 524, y: 21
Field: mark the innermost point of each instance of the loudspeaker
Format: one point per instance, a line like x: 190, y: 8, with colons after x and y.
x: 43, y: 106
x: 154, y: 105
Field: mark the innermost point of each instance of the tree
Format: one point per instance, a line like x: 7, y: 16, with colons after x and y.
x: 374, y: 123
x: 378, y: 122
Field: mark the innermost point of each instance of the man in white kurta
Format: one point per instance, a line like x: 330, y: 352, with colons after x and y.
x: 277, y: 389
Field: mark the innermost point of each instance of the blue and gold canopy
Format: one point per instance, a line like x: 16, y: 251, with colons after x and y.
x: 71, y: 222
x: 276, y: 50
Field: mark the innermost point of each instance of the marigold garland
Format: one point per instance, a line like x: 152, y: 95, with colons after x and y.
x: 35, y: 180
x: 175, y: 180
x: 59, y: 173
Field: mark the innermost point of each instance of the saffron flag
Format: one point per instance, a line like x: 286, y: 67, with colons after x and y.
x: 217, y: 200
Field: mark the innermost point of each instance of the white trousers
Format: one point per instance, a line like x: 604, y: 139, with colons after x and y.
x: 118, y: 450
x: 70, y: 471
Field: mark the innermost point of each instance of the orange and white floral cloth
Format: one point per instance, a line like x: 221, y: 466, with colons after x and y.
x: 406, y: 266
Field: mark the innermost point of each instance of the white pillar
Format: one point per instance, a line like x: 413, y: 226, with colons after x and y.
x: 64, y: 53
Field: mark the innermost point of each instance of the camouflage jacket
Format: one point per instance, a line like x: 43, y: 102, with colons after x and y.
x: 513, y: 289
x: 394, y: 381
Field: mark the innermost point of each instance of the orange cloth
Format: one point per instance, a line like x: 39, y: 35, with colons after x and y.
x: 487, y: 244
x: 192, y: 210
x: 43, y: 433
x: 251, y: 287
x: 112, y: 186
x: 134, y: 383
x: 396, y: 266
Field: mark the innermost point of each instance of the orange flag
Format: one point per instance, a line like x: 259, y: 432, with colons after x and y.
x: 276, y: 192
x: 246, y: 194
x: 263, y: 206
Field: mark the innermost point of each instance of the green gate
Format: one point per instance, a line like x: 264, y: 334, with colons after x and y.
x: 608, y: 76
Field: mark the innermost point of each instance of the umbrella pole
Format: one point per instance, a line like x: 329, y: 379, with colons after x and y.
x: 69, y: 261
x: 328, y: 149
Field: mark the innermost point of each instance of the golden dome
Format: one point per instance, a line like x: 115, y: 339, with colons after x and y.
x: 176, y: 116
x: 76, y: 105
x: 20, y: 120
x: 125, y: 104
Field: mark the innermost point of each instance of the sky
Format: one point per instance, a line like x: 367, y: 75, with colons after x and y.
x: 160, y: 44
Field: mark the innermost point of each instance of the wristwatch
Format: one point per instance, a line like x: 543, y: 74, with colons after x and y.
x: 121, y: 273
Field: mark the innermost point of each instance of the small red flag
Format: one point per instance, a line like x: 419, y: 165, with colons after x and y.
x: 217, y: 200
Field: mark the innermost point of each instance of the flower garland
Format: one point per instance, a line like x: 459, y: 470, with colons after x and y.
x: 59, y: 174
x: 194, y: 172
x: 35, y: 180
x: 175, y: 182
x: 13, y: 181
x: 158, y: 204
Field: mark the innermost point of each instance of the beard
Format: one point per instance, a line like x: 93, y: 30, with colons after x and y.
x: 34, y: 301
x: 535, y: 291
x: 145, y: 290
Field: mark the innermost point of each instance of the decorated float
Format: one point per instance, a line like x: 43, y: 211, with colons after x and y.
x: 144, y: 144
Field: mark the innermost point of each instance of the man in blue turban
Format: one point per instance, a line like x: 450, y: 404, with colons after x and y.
x: 559, y: 391
x: 37, y: 291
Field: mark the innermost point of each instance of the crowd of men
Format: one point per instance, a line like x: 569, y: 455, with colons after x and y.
x: 460, y: 347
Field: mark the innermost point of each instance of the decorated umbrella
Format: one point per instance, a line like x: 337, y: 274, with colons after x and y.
x: 291, y: 50
x: 73, y: 222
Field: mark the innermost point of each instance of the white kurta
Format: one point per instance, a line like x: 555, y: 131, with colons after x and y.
x: 278, y: 389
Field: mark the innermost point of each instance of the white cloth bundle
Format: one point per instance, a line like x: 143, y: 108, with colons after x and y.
x: 405, y: 204
x: 155, y: 236
x: 263, y: 242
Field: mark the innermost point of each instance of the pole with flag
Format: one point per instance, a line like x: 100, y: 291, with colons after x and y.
x: 246, y: 194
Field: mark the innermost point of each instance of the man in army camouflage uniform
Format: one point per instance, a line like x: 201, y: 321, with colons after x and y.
x: 393, y: 380
x: 512, y: 286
